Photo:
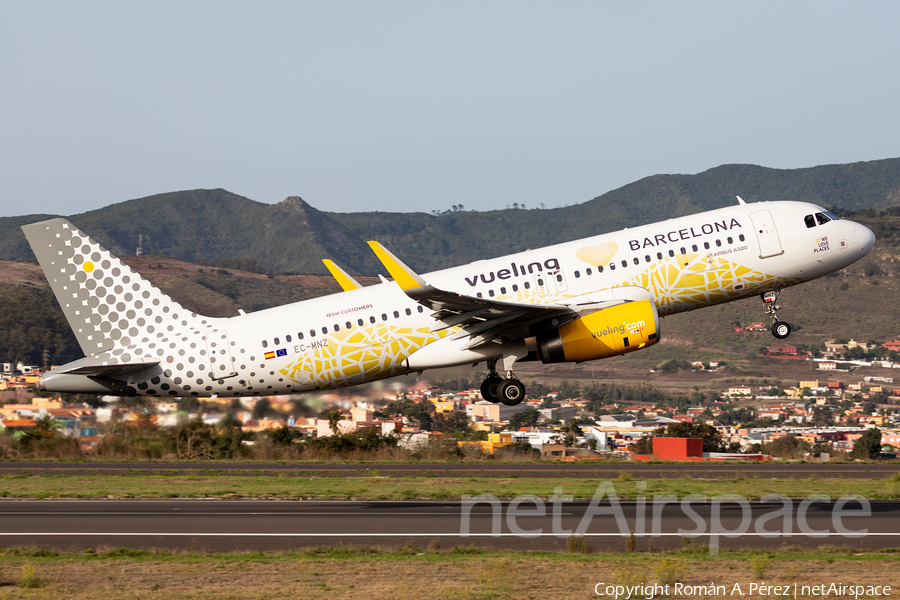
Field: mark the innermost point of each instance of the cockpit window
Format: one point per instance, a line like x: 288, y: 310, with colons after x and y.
x: 810, y: 220
x: 822, y: 218
x: 832, y: 216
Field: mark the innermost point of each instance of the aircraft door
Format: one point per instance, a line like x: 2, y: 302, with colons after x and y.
x: 557, y: 280
x: 766, y: 234
x: 219, y: 349
x: 541, y: 283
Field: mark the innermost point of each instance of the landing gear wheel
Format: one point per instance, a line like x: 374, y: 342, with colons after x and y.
x: 781, y: 330
x: 489, y: 388
x: 511, y: 392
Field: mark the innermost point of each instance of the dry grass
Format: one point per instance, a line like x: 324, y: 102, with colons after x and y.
x: 370, y: 485
x: 423, y: 577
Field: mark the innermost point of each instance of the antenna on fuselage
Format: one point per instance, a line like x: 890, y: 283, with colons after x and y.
x: 740, y: 200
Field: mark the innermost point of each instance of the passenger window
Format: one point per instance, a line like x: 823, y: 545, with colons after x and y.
x: 312, y: 333
x: 527, y: 285
x: 324, y: 331
x: 408, y: 312
x: 503, y: 290
x: 694, y: 248
x: 624, y: 263
x: 300, y: 336
x: 396, y: 314
x: 337, y: 327
x: 706, y: 245
x: 741, y: 237
x: 647, y: 258
x: 587, y: 271
x: 659, y: 256
x: 718, y: 242
x: 384, y: 316
x: 491, y: 293
x: 265, y: 344
x: 420, y: 309
x: 349, y: 325
x: 636, y: 260
x: 612, y: 266
x: 515, y: 288
x: 577, y: 274
x: 730, y: 240
x: 809, y: 220
x: 599, y: 268
x: 360, y: 322
x: 479, y: 295
x: 671, y: 253
x: 540, y: 282
x: 277, y: 343
x: 287, y: 339
x: 558, y: 277
x: 371, y: 319
x: 683, y: 250
x: 821, y: 218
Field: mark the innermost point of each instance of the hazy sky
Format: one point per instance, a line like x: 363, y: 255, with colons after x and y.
x: 414, y: 106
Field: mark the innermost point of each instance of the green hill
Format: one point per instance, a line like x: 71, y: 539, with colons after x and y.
x: 292, y: 236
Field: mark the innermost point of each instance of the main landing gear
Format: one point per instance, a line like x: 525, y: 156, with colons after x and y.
x: 495, y: 388
x: 780, y: 329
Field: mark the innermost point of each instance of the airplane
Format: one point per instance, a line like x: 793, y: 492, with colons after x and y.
x: 577, y: 301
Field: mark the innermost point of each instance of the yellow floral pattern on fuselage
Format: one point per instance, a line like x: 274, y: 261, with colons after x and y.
x: 362, y: 354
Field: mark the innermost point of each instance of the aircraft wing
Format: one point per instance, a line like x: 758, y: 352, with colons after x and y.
x: 484, y: 320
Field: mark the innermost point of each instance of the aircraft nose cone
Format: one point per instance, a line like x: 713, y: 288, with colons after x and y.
x: 866, y: 239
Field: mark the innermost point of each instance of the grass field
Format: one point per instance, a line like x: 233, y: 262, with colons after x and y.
x: 369, y: 485
x: 435, y: 574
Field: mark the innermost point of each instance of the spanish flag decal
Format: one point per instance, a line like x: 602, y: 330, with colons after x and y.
x: 269, y: 355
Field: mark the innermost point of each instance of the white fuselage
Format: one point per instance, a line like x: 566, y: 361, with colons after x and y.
x: 379, y: 331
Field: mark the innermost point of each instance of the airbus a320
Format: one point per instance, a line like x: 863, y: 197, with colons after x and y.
x: 578, y: 301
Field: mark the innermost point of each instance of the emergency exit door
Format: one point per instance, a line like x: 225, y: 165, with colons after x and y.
x: 766, y: 234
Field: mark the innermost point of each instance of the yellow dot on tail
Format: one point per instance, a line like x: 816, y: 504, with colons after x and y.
x: 88, y: 267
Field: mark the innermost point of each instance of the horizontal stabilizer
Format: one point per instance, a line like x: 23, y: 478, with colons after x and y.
x: 346, y: 282
x: 93, y: 367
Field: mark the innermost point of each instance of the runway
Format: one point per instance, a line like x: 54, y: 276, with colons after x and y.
x: 235, y: 525
x: 593, y: 470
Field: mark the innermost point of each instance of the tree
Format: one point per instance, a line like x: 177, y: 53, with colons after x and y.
x: 334, y: 417
x: 451, y: 422
x: 822, y: 417
x: 644, y: 445
x: 868, y: 446
x: 283, y: 436
x: 261, y: 409
x: 46, y: 425
x: 526, y: 418
x: 571, y: 433
x: 229, y: 423
x: 787, y: 447
x: 712, y: 439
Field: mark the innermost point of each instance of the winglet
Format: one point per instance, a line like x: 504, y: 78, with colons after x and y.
x: 403, y: 275
x: 346, y: 282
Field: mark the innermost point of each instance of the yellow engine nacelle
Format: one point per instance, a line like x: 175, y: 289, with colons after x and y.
x: 608, y: 332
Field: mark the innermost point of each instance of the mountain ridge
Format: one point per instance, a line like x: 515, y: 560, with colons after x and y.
x: 292, y: 236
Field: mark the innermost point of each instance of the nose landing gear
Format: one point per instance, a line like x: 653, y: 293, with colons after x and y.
x: 509, y: 390
x: 780, y: 329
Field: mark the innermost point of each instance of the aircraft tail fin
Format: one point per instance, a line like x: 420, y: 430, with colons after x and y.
x: 108, y: 305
